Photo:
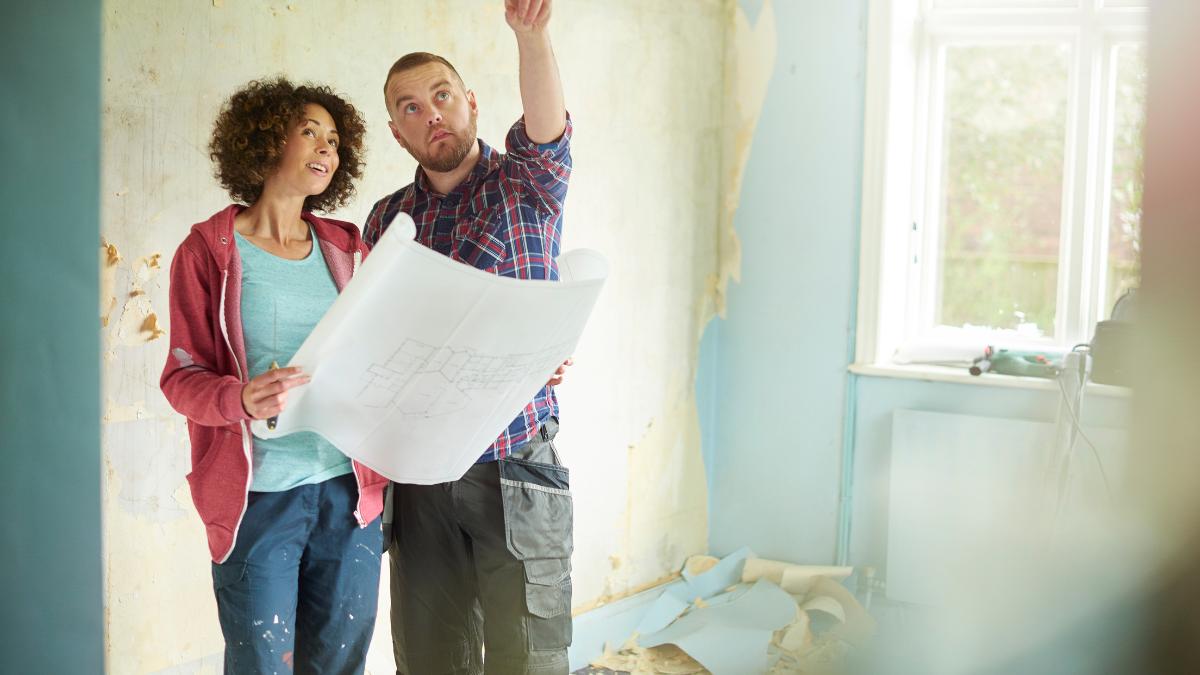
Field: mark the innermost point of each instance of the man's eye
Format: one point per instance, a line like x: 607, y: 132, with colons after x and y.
x: 443, y: 95
x: 410, y: 108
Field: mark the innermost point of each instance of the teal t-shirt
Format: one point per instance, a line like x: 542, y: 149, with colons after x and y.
x: 282, y: 301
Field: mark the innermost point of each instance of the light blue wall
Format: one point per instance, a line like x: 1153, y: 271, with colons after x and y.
x: 50, y: 577
x: 772, y: 383
x: 776, y: 372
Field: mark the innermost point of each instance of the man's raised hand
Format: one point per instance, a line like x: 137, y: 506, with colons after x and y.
x: 527, y: 16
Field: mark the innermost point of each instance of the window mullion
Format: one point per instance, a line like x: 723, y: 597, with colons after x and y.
x: 1101, y: 199
x: 925, y: 258
x: 1092, y: 197
x: 1073, y: 235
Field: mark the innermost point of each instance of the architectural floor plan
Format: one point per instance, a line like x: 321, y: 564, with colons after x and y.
x: 422, y: 361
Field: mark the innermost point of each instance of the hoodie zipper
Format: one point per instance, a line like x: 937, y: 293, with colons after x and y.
x: 247, y: 447
x: 354, y: 465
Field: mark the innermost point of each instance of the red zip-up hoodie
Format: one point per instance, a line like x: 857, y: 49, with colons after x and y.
x: 206, y: 369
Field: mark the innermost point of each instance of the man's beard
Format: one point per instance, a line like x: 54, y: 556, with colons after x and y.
x: 451, y: 155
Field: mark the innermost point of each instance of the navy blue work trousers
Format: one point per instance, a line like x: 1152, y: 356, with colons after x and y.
x: 300, y: 589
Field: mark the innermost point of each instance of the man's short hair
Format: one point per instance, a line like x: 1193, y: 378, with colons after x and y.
x: 416, y: 60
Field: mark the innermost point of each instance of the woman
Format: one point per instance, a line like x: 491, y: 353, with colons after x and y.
x: 293, y: 524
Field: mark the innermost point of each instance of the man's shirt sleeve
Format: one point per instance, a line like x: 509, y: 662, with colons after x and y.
x: 546, y: 166
x: 375, y: 225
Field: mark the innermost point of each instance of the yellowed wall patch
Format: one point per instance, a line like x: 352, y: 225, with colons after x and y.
x: 111, y: 255
x: 151, y: 329
x: 109, y: 258
x: 749, y: 64
x: 114, y: 412
x: 132, y: 327
x: 106, y: 308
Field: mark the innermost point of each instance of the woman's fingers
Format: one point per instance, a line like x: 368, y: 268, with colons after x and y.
x: 278, y: 374
x: 295, y: 381
x: 264, y: 390
x: 266, y: 395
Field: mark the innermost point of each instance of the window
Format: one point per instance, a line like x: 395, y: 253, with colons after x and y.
x: 1002, y: 173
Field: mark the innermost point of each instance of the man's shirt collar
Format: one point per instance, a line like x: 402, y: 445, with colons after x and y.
x: 488, y: 161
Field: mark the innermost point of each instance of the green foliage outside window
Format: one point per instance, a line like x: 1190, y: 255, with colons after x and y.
x: 1005, y: 142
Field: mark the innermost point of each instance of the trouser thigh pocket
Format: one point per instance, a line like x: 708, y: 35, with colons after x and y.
x: 538, y: 510
x: 548, y: 601
x: 538, y: 514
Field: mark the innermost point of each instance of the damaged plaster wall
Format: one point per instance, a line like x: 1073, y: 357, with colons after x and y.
x: 656, y: 494
x: 647, y: 86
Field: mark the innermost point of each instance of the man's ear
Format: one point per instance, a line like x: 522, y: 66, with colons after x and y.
x: 396, y: 134
x: 471, y: 102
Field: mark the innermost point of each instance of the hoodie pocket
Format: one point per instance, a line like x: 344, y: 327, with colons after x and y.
x: 218, y: 481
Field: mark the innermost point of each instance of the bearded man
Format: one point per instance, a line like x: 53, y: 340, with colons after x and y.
x: 482, y: 565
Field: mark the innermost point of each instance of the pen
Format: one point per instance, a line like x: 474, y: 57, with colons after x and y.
x: 271, y: 421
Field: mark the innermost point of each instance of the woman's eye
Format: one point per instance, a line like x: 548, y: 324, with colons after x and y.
x: 309, y: 132
x: 333, y: 142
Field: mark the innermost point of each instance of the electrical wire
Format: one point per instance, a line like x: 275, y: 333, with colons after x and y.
x: 1075, y: 423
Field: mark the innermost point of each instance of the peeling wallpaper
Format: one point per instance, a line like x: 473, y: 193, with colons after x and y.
x: 664, y: 100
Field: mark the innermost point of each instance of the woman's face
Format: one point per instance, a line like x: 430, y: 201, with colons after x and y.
x: 309, y: 155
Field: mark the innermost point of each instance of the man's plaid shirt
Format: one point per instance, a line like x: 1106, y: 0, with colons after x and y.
x: 505, y: 218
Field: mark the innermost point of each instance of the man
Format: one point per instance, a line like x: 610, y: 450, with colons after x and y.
x: 485, y: 561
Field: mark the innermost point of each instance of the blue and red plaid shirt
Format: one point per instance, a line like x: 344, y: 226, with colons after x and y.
x: 505, y: 218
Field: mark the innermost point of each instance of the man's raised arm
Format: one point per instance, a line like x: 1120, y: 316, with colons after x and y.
x: 541, y: 88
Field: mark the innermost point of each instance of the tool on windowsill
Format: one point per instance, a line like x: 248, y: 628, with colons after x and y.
x: 1013, y: 362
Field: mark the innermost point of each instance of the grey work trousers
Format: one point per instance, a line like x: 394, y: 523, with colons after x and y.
x: 481, y: 568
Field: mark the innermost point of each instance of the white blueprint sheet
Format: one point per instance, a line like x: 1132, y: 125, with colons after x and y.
x: 422, y: 361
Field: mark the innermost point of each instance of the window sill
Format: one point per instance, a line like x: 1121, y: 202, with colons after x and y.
x: 930, y: 373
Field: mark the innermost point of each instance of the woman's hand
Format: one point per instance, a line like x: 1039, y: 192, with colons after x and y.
x: 266, y: 395
x: 561, y: 373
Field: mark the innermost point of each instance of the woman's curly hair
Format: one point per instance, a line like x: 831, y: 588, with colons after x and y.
x: 249, y: 134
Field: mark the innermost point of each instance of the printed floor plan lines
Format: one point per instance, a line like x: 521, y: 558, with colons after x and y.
x: 439, y: 380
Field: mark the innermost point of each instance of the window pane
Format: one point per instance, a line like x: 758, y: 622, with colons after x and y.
x: 1004, y: 4
x: 1002, y: 184
x: 1125, y: 221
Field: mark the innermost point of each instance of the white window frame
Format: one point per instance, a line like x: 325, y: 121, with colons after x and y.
x: 905, y: 37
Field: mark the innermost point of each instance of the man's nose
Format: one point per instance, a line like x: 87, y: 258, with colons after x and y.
x: 435, y: 118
